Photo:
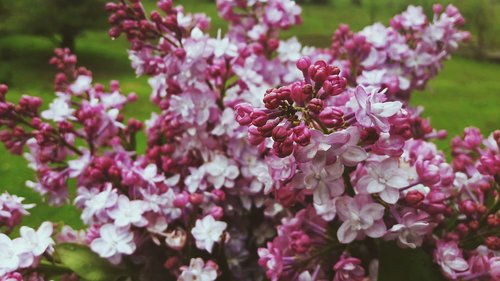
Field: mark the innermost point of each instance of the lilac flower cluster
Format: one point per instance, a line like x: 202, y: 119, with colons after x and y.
x: 264, y: 157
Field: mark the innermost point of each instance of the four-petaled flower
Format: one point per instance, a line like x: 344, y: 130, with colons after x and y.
x: 385, y: 178
x: 360, y: 216
x: 113, y: 242
x: 40, y: 240
x: 128, y: 212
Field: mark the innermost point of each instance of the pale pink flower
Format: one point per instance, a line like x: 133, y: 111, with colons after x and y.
x: 413, y: 17
x: 97, y: 206
x: 321, y: 142
x: 196, y: 179
x: 150, y: 174
x: 373, y: 110
x: 227, y: 124
x: 349, y: 269
x: 360, y: 216
x: 77, y: 166
x: 411, y: 230
x: 81, y: 84
x: 320, y: 173
x: 59, y: 110
x: 449, y: 257
x: 385, y: 178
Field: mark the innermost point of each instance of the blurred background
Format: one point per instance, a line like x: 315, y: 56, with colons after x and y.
x: 466, y: 93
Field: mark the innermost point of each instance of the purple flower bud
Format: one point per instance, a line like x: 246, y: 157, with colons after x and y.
x: 280, y: 133
x: 165, y: 5
x: 3, y: 90
x: 114, y: 32
x: 302, y: 135
x: 110, y: 6
x: 303, y: 63
x: 273, y: 44
x: 283, y: 149
x: 414, y: 198
x: 437, y: 8
x: 254, y: 136
x: 300, y: 242
x: 243, y: 113
x: 259, y: 118
x: 315, y: 106
x: 271, y: 99
x: 217, y: 212
x: 428, y: 173
x: 436, y: 209
x: 298, y: 95
x: 331, y: 117
x: 196, y: 198
x: 181, y: 200
x: 468, y: 207
x: 267, y: 129
x: 436, y: 197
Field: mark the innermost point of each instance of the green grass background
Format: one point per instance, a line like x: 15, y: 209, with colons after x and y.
x: 466, y: 93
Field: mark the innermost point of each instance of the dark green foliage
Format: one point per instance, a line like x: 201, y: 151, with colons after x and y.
x: 480, y: 18
x: 398, y: 264
x: 60, y: 20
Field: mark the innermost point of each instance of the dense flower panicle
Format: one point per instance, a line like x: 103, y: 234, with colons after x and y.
x: 263, y: 158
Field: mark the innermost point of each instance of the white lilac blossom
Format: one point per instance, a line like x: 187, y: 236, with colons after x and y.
x: 223, y: 47
x: 40, y: 240
x: 221, y: 171
x: 128, y: 212
x: 21, y: 252
x: 113, y: 242
x: 198, y: 271
x: 97, y: 206
x: 81, y: 84
x: 320, y: 175
x: 59, y: 110
x: 15, y: 254
x: 207, y: 232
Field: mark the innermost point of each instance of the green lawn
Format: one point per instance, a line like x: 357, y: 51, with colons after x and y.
x: 465, y: 94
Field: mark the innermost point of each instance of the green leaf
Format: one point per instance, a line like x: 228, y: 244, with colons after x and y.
x: 87, y: 264
x: 398, y: 264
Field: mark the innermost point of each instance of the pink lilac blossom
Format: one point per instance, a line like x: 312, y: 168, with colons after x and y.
x: 287, y: 157
x: 360, y: 216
